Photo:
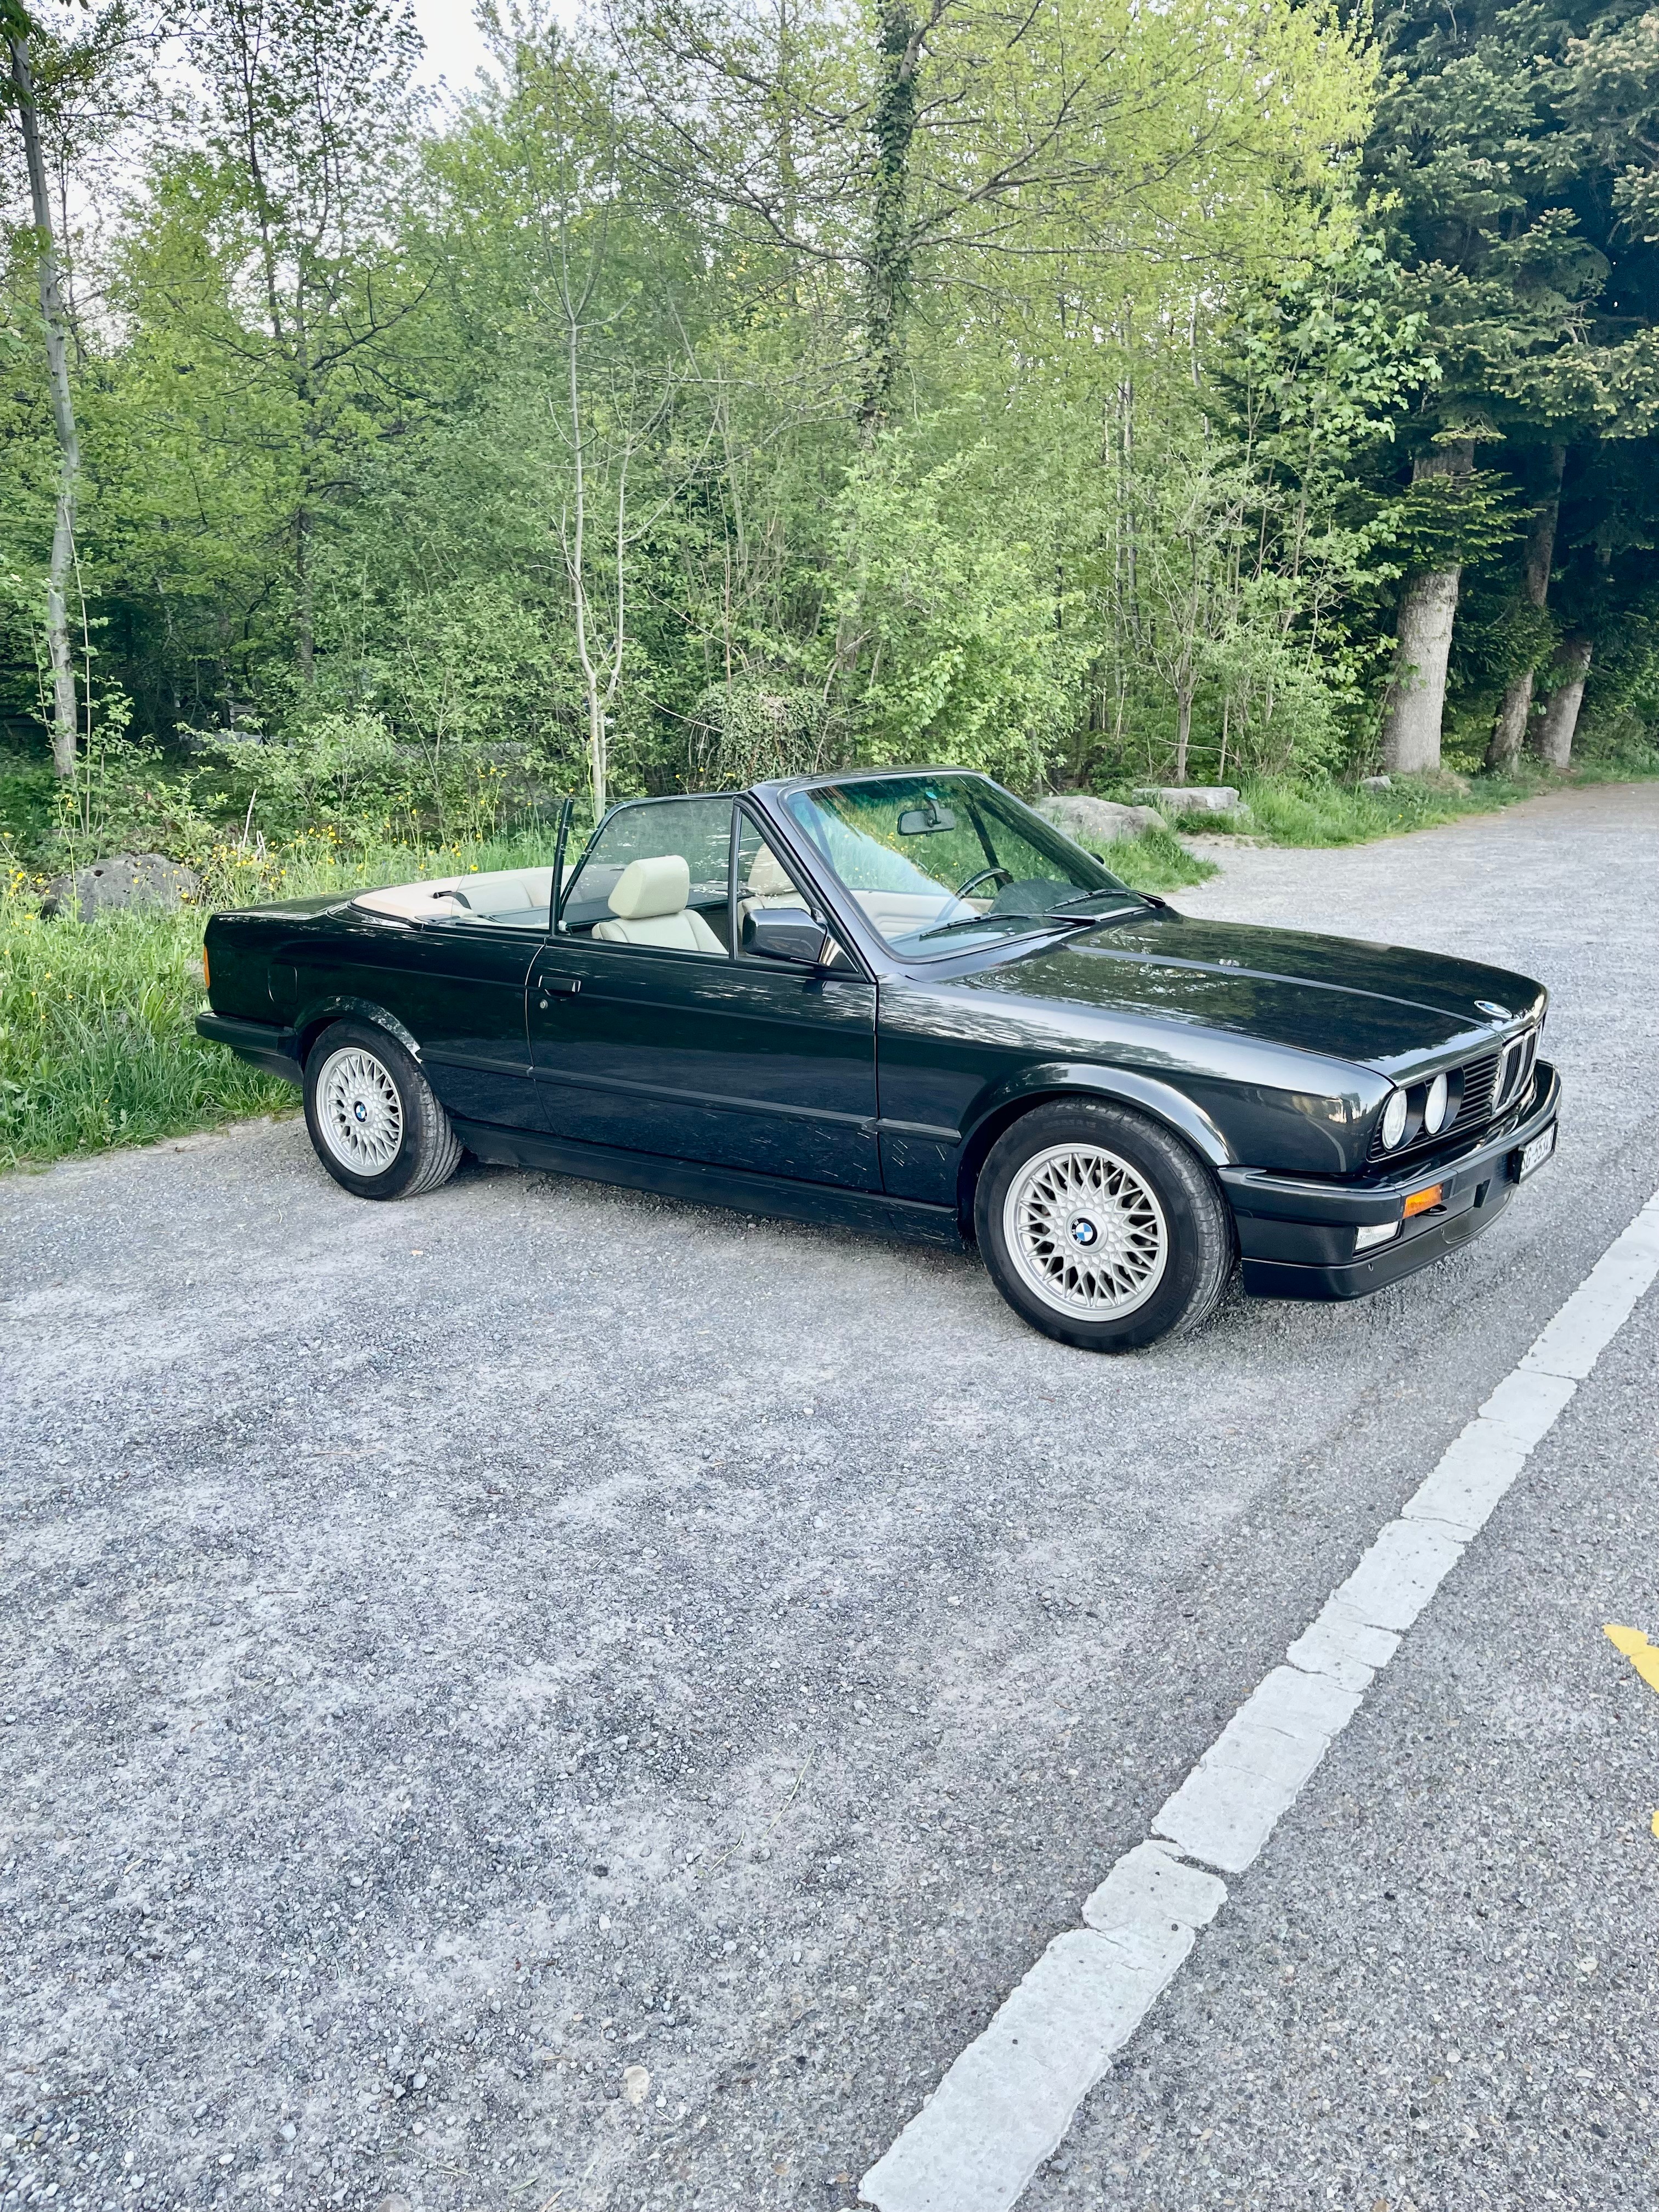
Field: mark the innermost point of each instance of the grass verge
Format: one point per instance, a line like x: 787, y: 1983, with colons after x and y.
x: 97, y: 1039
x: 1156, y: 862
x: 98, y: 1043
x: 1285, y: 813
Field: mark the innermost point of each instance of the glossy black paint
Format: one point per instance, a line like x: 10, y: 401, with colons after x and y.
x: 747, y: 1065
x: 870, y: 1090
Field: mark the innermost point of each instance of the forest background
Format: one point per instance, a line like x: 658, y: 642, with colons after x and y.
x: 1105, y: 396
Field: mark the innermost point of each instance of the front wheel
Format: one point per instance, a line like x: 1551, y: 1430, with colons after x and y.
x: 375, y: 1124
x: 1101, y: 1227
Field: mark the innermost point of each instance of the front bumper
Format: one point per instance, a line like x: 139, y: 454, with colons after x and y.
x: 1297, y: 1236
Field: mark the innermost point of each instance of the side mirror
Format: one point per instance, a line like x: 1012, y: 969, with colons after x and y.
x: 786, y: 933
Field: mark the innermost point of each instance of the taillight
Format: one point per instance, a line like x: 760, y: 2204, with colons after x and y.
x: 207, y: 980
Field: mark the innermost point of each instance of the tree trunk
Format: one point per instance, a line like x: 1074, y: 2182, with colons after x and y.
x: 1510, y: 730
x: 1560, y: 716
x: 1417, y: 694
x: 887, y: 274
x: 65, y: 711
x: 1183, y: 732
x: 305, y: 614
x: 1510, y: 727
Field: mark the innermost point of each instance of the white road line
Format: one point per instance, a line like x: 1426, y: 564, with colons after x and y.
x: 1010, y: 2097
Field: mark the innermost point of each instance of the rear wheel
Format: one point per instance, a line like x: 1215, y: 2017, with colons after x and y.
x: 373, y: 1121
x: 1101, y: 1227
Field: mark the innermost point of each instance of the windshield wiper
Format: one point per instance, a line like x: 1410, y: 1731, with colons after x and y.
x: 1061, y: 905
x: 1049, y: 919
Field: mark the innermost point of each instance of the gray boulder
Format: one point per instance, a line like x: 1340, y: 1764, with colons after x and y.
x: 1092, y: 823
x: 128, y: 879
x: 1195, y: 799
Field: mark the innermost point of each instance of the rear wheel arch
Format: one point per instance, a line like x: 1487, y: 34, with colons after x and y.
x: 361, y: 1010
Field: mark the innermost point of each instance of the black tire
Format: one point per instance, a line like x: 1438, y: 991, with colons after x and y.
x: 421, y: 1149
x: 1178, y: 1251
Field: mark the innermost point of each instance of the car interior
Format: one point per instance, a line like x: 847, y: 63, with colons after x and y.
x: 649, y: 900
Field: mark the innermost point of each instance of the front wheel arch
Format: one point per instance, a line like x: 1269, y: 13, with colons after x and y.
x: 1157, y: 1102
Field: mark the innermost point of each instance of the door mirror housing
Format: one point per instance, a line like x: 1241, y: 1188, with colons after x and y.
x: 786, y: 933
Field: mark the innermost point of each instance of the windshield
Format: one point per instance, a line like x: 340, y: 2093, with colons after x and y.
x: 941, y: 863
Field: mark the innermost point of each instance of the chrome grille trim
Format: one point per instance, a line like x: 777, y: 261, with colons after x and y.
x: 1485, y: 1096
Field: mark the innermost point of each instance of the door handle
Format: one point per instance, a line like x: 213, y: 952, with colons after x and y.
x: 561, y: 986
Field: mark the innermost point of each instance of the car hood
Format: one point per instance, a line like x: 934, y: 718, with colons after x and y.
x: 1380, y: 1005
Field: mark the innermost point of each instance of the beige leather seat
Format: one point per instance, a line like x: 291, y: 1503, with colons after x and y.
x: 649, y: 906
x: 769, y: 885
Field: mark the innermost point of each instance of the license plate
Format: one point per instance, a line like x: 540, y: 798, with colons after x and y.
x: 1532, y: 1156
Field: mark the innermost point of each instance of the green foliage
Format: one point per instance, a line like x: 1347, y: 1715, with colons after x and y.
x: 742, y: 733
x: 98, y: 1045
x: 707, y: 397
x: 951, y: 637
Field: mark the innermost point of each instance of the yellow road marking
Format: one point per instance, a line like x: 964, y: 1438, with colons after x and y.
x: 1641, y: 1654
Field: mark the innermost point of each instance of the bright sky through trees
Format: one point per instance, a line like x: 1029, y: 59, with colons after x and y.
x: 453, y: 47
x: 1094, y: 394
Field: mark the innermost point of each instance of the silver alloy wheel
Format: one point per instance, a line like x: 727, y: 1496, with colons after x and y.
x: 1085, y: 1231
x: 359, y: 1111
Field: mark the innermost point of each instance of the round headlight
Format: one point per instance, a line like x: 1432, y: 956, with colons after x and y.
x: 1393, y: 1119
x: 1434, y: 1107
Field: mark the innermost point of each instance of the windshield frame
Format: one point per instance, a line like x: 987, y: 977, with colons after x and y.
x: 1007, y: 930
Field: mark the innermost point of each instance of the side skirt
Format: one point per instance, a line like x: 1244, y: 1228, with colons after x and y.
x: 820, y: 1203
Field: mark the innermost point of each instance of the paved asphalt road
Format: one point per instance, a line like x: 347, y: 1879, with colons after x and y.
x: 454, y: 1653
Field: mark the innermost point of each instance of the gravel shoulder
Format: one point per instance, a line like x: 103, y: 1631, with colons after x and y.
x: 460, y: 1652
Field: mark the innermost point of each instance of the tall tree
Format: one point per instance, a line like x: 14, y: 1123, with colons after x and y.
x: 1512, y: 155
x: 292, y: 284
x: 1515, y: 709
x: 65, y: 709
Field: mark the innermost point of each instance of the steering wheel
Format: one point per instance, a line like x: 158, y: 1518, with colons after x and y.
x: 985, y: 875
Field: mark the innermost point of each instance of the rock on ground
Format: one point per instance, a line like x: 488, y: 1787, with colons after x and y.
x: 1093, y: 822
x: 1195, y: 798
x: 127, y: 879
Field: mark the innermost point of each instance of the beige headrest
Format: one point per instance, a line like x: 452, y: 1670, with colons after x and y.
x: 647, y: 889
x: 766, y: 876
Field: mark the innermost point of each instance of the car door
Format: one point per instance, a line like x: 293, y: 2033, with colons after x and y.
x: 715, y: 1056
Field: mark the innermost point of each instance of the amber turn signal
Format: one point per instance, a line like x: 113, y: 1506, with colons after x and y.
x: 1421, y: 1201
x: 207, y: 980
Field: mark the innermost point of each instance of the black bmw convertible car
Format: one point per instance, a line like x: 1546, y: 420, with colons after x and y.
x: 904, y: 1001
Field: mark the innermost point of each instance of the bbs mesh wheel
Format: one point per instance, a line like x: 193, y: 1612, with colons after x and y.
x: 1101, y: 1227
x: 373, y: 1121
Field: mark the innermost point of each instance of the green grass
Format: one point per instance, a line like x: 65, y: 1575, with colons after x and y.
x: 1156, y: 862
x: 1342, y: 814
x: 1312, y: 814
x: 98, y: 1046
